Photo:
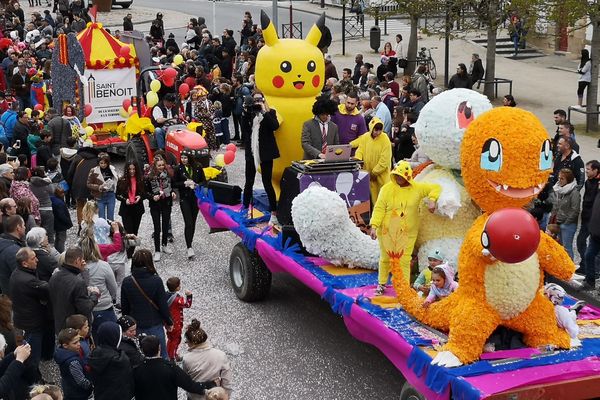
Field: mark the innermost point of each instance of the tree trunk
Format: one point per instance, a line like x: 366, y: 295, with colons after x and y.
x: 490, y: 55
x: 592, y: 90
x: 411, y: 53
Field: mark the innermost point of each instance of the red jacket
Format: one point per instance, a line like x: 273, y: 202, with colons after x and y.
x: 176, y: 304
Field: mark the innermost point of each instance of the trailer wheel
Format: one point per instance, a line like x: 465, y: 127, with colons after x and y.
x: 136, y: 152
x: 250, y: 277
x: 410, y: 393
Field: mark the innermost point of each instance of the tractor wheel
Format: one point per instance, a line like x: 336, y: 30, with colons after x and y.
x: 136, y: 152
x: 408, y: 392
x: 250, y: 277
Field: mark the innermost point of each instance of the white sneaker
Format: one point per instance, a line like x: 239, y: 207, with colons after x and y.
x: 167, y: 250
x: 156, y: 256
x: 190, y: 253
x: 273, y: 221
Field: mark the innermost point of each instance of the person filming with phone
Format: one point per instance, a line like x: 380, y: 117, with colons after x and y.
x: 261, y: 122
x: 21, y: 131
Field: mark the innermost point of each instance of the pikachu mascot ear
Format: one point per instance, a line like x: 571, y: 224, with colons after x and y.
x: 269, y: 30
x: 316, y: 32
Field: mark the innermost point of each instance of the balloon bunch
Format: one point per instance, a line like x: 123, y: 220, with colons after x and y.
x: 225, y: 159
x: 127, y: 109
x: 167, y: 77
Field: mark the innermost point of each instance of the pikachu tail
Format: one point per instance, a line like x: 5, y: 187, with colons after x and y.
x: 436, y: 315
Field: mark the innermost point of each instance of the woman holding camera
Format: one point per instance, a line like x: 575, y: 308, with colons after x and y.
x: 188, y: 175
x: 261, y: 149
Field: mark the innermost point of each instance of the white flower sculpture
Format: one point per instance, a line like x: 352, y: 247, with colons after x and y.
x: 321, y: 219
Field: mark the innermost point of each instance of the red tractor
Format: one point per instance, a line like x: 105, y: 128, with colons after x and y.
x: 141, y: 147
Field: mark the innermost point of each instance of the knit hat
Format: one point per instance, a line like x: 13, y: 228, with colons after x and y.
x: 436, y: 255
x: 126, y: 322
x: 109, y: 334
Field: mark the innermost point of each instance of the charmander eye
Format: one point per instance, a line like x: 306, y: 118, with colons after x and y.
x: 491, y: 156
x: 286, y: 66
x: 311, y: 66
x: 545, y: 156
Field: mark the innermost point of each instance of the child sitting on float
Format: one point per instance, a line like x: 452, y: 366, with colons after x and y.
x: 421, y: 284
x: 442, y: 284
x: 565, y: 317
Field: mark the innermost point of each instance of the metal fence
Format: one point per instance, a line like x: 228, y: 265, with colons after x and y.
x: 292, y: 31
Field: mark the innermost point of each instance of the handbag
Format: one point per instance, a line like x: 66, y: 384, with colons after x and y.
x: 135, y: 282
x: 402, y: 63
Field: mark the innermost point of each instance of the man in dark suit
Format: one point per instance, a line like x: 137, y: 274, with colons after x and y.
x: 319, y: 132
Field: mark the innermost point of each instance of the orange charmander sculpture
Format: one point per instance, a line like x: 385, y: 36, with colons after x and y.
x: 505, y: 160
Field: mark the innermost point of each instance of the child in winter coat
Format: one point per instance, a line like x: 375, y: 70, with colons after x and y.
x: 81, y: 324
x: 74, y: 382
x: 176, y: 304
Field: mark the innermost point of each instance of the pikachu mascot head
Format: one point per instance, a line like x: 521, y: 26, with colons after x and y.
x: 289, y: 73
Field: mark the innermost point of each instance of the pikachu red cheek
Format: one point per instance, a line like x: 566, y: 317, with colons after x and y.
x: 278, y: 81
x: 316, y: 80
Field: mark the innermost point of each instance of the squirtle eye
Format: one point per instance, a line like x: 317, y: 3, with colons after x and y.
x: 491, y: 155
x: 311, y: 66
x: 545, y: 156
x: 286, y: 66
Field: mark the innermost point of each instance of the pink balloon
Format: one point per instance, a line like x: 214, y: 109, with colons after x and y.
x: 39, y: 107
x: 184, y: 89
x: 231, y: 147
x: 126, y: 104
x: 229, y: 157
x: 88, y: 109
x: 124, y: 51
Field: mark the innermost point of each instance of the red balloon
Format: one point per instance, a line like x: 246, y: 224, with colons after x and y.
x: 126, y: 104
x: 231, y: 147
x: 124, y: 51
x: 184, y: 89
x: 511, y: 235
x: 170, y: 73
x: 228, y: 157
x: 88, y: 109
x: 191, y: 82
x: 39, y: 107
x: 168, y: 81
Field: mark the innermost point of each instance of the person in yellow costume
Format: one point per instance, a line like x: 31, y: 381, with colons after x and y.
x: 396, y: 218
x: 375, y: 150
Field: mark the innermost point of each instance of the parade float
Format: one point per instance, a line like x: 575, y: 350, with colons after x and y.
x: 504, y: 161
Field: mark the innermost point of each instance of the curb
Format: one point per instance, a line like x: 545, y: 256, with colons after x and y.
x: 562, y: 68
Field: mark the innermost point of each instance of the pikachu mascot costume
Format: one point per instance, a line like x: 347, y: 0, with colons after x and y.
x: 289, y: 73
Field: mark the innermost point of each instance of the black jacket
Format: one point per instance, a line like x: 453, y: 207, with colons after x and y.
x: 135, y: 304
x: 478, y: 72
x: 20, y: 132
x: 46, y: 265
x: 127, y: 25
x: 267, y: 145
x: 62, y: 217
x: 83, y: 162
x: 158, y: 379
x: 110, y: 372
x: 9, y: 245
x: 589, y: 194
x: 130, y: 348
x: 572, y: 162
x: 69, y: 295
x: 181, y: 175
x: 30, y: 300
x: 594, y: 222
x: 11, y: 371
x: 44, y: 153
x: 122, y: 195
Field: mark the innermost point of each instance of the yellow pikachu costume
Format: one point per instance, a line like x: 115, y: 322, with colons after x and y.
x: 396, y: 218
x: 289, y: 73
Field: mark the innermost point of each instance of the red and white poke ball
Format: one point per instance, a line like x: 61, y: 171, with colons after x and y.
x: 511, y: 235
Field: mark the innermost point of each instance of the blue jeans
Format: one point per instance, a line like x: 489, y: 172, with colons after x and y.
x: 567, y: 233
x: 160, y: 135
x: 106, y: 206
x: 35, y: 341
x: 159, y: 332
x: 591, y: 266
x: 101, y: 317
x: 226, y: 138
